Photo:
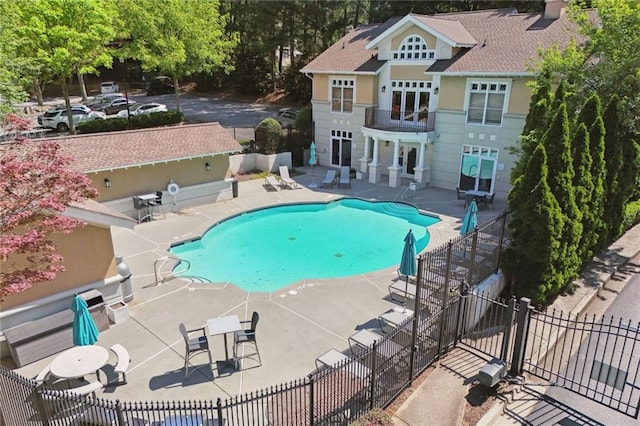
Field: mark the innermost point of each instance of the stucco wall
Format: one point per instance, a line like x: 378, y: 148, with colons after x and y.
x: 408, y: 72
x: 520, y: 97
x: 451, y: 93
x: 325, y: 121
x: 320, y: 87
x: 366, y: 89
x: 428, y: 38
x: 242, y: 163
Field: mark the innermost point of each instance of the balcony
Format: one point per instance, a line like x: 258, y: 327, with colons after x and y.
x: 393, y: 121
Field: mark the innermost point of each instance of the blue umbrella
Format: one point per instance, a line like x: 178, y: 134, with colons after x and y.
x: 85, y: 331
x: 408, y: 264
x: 312, y: 162
x: 470, y: 219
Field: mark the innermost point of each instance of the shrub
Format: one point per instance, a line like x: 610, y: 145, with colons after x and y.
x: 375, y: 417
x: 268, y: 134
x: 304, y: 122
x: 155, y: 119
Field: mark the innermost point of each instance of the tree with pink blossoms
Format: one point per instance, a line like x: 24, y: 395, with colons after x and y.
x: 36, y: 186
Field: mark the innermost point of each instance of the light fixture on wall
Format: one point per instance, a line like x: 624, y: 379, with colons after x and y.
x: 383, y: 89
x: 207, y: 166
x: 435, y: 91
x: 107, y: 183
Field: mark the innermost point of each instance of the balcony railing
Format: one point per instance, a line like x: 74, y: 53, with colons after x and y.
x: 394, y: 121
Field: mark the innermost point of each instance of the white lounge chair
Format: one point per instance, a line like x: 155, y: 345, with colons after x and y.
x: 330, y: 179
x: 271, y: 183
x: 285, y: 179
x: 344, y: 177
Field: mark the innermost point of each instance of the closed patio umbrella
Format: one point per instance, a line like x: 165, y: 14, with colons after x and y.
x: 312, y: 162
x: 470, y: 220
x: 85, y: 331
x: 408, y: 264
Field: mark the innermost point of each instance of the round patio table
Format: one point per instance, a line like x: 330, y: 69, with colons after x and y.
x: 79, y: 361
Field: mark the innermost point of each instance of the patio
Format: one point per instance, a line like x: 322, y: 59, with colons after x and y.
x: 297, y: 323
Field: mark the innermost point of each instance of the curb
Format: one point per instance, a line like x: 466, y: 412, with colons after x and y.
x: 493, y: 414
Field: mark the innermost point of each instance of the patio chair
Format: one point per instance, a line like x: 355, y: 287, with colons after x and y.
x: 271, y: 183
x: 142, y: 207
x: 461, y: 194
x: 194, y: 343
x: 157, y: 203
x: 344, y: 177
x: 330, y: 179
x: 44, y: 374
x: 285, y: 179
x: 246, y: 336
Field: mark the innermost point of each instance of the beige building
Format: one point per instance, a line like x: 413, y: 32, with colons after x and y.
x: 189, y: 164
x: 435, y: 100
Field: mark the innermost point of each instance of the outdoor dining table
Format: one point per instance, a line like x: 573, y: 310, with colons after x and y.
x: 474, y: 195
x: 79, y: 361
x: 224, y: 325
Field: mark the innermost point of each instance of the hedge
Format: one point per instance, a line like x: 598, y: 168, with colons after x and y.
x: 144, y: 121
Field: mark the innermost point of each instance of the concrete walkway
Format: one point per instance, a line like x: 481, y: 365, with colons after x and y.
x: 441, y: 399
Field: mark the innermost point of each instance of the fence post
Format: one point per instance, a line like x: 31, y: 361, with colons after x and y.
x: 445, y: 294
x: 501, y: 240
x: 219, y: 410
x: 311, y: 398
x: 472, y: 254
x: 462, y: 308
x: 522, y: 329
x: 42, y: 409
x: 511, y: 310
x: 120, y: 414
x: 414, y: 330
x: 374, y: 356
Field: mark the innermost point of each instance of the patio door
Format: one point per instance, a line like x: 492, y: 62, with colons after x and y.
x: 478, y: 168
x: 410, y: 101
x: 407, y: 160
x: 341, y: 148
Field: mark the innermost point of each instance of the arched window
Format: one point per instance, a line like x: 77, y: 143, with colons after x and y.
x: 413, y: 48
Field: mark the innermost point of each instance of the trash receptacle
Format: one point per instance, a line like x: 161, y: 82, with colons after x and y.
x: 97, y: 308
x: 234, y: 186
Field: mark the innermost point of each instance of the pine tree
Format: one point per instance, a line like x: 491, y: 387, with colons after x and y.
x: 560, y: 178
x: 614, y: 196
x: 583, y: 188
x: 536, y: 229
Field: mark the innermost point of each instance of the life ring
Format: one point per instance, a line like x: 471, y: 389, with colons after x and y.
x: 173, y: 188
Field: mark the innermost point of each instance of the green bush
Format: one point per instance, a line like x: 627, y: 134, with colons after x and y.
x: 268, y: 135
x: 304, y: 122
x: 156, y: 119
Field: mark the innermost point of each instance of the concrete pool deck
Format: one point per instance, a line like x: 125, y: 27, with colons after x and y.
x: 297, y: 323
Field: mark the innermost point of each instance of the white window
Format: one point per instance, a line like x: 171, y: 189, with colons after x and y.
x: 486, y: 102
x: 413, y: 48
x: 410, y: 100
x: 342, y: 95
x: 341, y: 147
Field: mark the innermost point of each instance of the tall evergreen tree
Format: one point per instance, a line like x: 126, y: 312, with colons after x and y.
x: 614, y: 196
x: 560, y: 178
x: 536, y: 230
x: 593, y: 212
x: 583, y: 188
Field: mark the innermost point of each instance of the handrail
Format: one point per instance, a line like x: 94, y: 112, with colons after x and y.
x: 173, y: 273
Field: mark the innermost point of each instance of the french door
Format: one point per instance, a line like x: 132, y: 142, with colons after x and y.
x: 478, y: 167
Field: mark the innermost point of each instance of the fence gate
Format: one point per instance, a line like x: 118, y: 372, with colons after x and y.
x: 596, y: 358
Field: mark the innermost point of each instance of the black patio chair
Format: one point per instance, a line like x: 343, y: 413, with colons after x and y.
x: 194, y: 343
x: 247, y: 336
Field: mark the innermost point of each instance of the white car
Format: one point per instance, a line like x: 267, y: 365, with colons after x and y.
x: 109, y: 87
x: 103, y: 98
x: 57, y: 119
x: 140, y: 109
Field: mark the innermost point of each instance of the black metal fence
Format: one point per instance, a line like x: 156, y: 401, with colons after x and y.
x: 397, y: 121
x: 371, y: 377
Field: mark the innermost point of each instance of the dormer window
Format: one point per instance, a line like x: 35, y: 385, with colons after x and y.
x: 413, y: 48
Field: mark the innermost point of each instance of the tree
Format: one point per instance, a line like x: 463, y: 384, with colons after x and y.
x: 583, y: 189
x: 62, y: 37
x: 37, y: 185
x: 536, y: 230
x: 614, y: 196
x: 176, y: 37
x: 268, y: 136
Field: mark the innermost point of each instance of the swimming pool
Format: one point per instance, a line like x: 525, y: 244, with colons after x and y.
x: 267, y: 249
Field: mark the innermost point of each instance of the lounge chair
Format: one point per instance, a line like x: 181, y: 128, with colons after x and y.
x: 285, y: 179
x: 271, y: 183
x: 330, y: 179
x: 344, y: 177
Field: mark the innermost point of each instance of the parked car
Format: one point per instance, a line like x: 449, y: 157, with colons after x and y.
x: 56, y: 118
x: 114, y: 106
x: 109, y: 87
x: 160, y: 86
x: 139, y: 109
x: 103, y: 98
x: 287, y: 117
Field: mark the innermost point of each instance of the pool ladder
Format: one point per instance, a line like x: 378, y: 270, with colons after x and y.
x: 178, y: 269
x: 409, y: 192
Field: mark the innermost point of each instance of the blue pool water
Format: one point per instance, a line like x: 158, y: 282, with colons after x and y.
x: 266, y: 249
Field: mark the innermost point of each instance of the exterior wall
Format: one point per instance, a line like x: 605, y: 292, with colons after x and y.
x: 242, y: 163
x: 431, y: 40
x: 82, y: 265
x: 452, y: 91
x: 520, y: 97
x: 151, y: 178
x: 366, y: 89
x: 454, y: 132
x: 408, y: 72
x: 320, y: 87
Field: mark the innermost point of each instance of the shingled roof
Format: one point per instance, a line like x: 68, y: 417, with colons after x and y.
x: 506, y: 42
x: 116, y: 150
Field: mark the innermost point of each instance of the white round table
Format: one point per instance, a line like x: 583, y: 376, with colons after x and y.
x: 79, y: 361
